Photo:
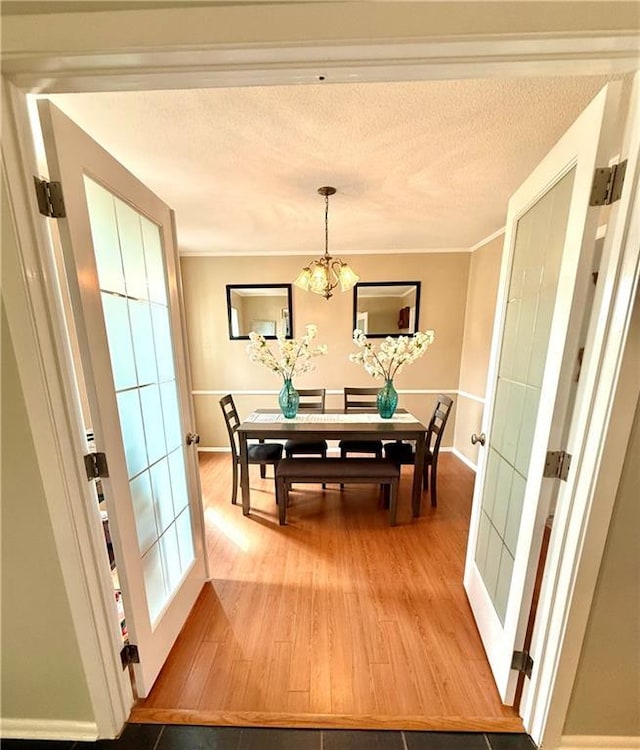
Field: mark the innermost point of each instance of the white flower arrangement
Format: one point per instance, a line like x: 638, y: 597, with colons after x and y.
x: 393, y: 355
x: 294, y: 356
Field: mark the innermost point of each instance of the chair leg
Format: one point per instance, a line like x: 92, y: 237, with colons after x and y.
x: 434, y: 496
x: 263, y: 470
x: 425, y: 476
x: 343, y: 454
x: 234, y: 483
x: 324, y: 484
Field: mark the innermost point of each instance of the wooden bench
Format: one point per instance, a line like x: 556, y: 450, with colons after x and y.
x: 380, y: 471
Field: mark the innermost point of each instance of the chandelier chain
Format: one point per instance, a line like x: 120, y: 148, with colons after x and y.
x: 326, y: 225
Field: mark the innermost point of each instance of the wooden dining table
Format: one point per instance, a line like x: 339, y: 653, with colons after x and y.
x: 333, y: 424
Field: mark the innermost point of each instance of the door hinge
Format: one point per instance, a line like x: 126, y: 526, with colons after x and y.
x: 557, y: 465
x: 521, y: 661
x: 50, y: 200
x: 96, y: 465
x: 129, y: 655
x: 607, y: 184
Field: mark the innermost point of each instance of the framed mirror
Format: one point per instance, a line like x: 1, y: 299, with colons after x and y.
x: 386, y: 308
x: 263, y: 308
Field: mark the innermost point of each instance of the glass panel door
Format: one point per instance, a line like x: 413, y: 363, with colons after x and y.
x: 134, y: 303
x: 121, y: 268
x: 532, y: 291
x: 542, y: 305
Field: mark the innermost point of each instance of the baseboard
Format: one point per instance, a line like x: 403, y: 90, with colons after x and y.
x: 48, y: 729
x: 588, y: 742
x: 464, y: 459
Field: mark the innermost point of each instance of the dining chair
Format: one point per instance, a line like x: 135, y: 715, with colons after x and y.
x: 259, y: 453
x: 404, y: 453
x: 311, y: 400
x: 360, y: 399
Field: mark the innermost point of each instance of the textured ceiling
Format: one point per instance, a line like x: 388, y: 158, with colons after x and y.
x: 417, y: 166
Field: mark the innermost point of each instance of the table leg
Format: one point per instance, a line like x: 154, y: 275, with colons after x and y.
x: 416, y: 495
x: 244, y: 473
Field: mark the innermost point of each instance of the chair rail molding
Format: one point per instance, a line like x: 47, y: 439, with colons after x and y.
x: 471, y: 396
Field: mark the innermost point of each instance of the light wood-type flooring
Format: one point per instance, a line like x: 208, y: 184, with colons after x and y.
x: 334, y: 620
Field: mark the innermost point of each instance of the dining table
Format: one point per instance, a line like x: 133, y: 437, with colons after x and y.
x: 333, y: 424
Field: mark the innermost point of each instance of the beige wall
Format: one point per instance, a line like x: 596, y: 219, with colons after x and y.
x: 42, y: 675
x: 222, y: 366
x: 606, y: 692
x: 484, y: 272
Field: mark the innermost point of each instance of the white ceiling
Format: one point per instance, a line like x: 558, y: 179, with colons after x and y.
x: 417, y: 166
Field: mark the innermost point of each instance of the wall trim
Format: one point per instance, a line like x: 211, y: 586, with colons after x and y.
x: 487, y: 240
x: 409, y: 48
x: 472, y: 397
x: 590, y: 742
x: 463, y: 458
x: 48, y: 729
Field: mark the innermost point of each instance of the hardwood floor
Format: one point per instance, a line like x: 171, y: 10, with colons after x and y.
x: 334, y: 620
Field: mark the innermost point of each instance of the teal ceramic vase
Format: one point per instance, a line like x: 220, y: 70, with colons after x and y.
x: 289, y: 399
x: 387, y: 400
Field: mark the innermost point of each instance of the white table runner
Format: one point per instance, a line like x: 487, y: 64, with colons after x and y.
x: 316, y: 418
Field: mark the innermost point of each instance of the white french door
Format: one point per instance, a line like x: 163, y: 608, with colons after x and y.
x: 545, y: 276
x: 121, y: 267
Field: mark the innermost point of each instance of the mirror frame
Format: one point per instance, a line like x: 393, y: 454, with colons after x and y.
x: 364, y: 284
x: 287, y: 287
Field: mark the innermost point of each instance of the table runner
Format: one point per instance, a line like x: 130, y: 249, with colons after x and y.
x: 334, y: 418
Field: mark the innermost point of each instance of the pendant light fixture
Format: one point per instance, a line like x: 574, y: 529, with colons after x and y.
x: 323, y: 275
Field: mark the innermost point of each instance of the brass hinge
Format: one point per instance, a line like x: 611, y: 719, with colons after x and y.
x: 129, y: 655
x: 50, y: 200
x: 557, y: 465
x: 96, y: 465
x: 607, y: 184
x: 521, y: 661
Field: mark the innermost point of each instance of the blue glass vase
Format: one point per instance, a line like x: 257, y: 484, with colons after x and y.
x: 387, y: 400
x: 289, y: 399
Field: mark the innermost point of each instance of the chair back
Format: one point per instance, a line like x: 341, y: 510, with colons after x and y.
x: 438, y: 422
x: 360, y: 398
x: 232, y: 421
x: 312, y: 399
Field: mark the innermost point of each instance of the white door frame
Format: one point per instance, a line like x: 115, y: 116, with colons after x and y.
x: 118, y: 61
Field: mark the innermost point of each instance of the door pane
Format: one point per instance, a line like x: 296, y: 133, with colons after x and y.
x: 132, y: 279
x: 535, y: 269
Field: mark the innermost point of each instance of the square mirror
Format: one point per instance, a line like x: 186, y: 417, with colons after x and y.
x: 263, y: 308
x: 386, y: 308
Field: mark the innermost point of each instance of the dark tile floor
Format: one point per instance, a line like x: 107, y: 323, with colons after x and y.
x: 168, y: 737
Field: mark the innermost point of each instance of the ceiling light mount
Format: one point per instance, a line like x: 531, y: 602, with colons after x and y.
x: 323, y: 275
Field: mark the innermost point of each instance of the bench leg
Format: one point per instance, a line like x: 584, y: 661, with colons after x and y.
x: 282, y: 497
x: 393, y: 510
x: 386, y: 495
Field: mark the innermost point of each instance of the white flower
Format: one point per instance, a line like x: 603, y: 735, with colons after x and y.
x: 393, y: 355
x: 294, y: 354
